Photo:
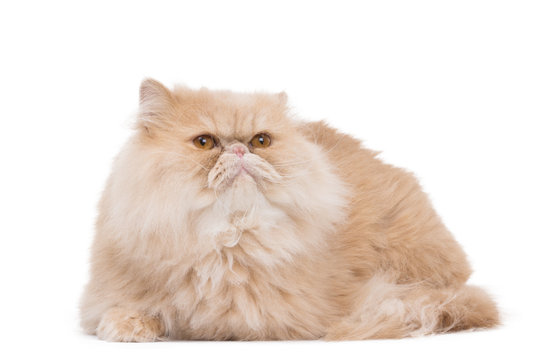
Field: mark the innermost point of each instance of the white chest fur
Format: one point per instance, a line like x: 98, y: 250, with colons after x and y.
x: 238, y: 280
x: 242, y: 226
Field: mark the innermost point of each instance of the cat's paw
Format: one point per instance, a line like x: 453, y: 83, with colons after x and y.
x: 119, y: 324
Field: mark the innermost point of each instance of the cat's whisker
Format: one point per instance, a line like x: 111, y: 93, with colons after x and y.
x: 181, y: 156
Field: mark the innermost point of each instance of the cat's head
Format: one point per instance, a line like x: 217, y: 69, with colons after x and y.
x: 221, y: 138
x: 205, y: 152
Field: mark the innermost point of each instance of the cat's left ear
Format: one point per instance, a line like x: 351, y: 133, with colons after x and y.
x: 156, y: 104
x: 283, y: 98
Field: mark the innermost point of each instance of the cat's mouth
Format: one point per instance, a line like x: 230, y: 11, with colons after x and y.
x: 243, y: 171
x: 229, y: 168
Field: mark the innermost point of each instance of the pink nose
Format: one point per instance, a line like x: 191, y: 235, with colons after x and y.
x: 239, y: 150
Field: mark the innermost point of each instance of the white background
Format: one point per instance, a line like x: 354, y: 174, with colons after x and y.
x: 447, y: 89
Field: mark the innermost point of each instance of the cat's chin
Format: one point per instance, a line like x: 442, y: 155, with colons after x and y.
x: 241, y: 178
x: 240, y: 192
x: 243, y: 175
x: 244, y: 180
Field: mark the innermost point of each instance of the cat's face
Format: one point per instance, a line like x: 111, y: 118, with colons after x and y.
x: 222, y: 140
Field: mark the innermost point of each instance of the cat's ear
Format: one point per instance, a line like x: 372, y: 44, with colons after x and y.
x: 283, y: 98
x: 156, y: 104
x: 152, y: 90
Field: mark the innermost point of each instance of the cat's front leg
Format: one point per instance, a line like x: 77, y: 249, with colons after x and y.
x: 121, y: 324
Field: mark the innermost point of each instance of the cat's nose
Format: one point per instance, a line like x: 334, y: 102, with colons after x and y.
x: 238, y: 149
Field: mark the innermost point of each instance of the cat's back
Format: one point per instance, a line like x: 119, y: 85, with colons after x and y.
x: 389, y: 216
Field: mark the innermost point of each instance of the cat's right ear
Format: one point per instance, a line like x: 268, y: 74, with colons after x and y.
x: 156, y: 105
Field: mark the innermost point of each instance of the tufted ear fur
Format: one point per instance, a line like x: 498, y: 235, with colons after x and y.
x: 156, y: 104
x: 283, y: 98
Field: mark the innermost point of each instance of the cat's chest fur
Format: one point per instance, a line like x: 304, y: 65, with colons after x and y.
x: 243, y: 281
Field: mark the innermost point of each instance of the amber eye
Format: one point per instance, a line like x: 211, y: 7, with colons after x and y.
x: 205, y: 142
x: 260, y: 141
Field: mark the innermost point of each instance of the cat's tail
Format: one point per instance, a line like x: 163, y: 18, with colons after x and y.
x: 387, y: 310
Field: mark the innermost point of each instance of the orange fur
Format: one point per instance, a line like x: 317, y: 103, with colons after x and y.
x: 312, y: 237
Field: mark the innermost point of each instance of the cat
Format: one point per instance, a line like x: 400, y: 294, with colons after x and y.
x: 226, y: 218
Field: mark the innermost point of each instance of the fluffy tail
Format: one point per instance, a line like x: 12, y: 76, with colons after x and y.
x: 389, y: 310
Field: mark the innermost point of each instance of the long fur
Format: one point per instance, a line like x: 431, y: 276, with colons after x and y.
x: 312, y: 237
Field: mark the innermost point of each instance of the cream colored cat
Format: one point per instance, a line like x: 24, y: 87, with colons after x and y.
x: 226, y: 219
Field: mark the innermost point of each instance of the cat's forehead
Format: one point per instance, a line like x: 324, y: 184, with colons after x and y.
x: 235, y: 125
x: 232, y: 115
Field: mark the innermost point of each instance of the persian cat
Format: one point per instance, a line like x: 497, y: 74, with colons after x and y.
x: 225, y: 218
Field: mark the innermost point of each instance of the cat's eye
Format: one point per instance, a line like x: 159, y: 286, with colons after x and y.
x: 261, y: 140
x: 205, y: 142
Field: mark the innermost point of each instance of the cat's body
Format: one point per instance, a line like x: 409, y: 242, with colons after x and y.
x: 303, y: 235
